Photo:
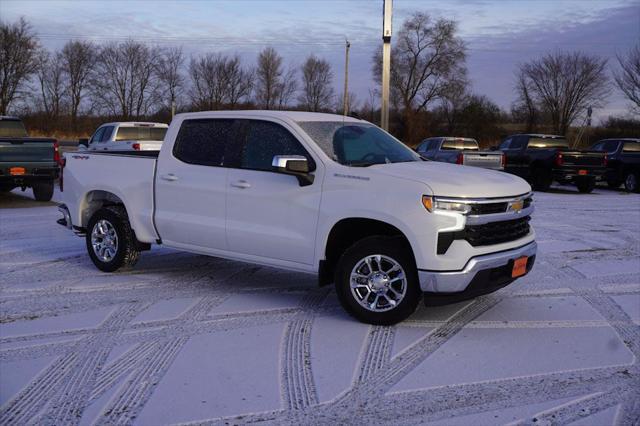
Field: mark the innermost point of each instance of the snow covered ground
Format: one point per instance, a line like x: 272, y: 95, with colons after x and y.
x: 191, y: 339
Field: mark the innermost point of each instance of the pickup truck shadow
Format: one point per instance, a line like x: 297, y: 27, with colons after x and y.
x: 17, y: 199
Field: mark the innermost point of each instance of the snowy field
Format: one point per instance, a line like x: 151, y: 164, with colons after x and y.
x: 191, y: 339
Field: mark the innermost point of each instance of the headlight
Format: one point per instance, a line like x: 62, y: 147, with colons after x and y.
x: 433, y: 204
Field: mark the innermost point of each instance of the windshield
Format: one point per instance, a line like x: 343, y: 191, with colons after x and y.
x: 548, y: 143
x: 141, y: 133
x: 357, y: 144
x: 12, y: 129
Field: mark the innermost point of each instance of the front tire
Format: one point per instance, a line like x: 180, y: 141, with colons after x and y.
x: 631, y: 182
x: 111, y: 242
x: 377, y: 281
x: 43, y: 191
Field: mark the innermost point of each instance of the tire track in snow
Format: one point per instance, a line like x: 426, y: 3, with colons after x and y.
x: 298, y: 389
x: 377, y: 352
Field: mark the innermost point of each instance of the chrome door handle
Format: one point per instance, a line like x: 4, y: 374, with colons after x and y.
x: 170, y: 177
x: 242, y: 184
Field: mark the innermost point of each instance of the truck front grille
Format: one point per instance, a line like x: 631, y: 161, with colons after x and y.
x: 497, y: 232
x: 486, y: 234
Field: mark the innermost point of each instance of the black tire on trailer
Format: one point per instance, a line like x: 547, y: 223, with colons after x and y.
x: 377, y: 281
x: 585, y: 185
x: 43, y: 191
x: 111, y: 243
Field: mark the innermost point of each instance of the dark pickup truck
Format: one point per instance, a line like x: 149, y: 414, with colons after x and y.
x: 542, y: 159
x: 623, y: 162
x: 27, y: 162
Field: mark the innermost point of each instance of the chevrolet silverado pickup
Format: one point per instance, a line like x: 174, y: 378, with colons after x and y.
x: 318, y: 193
x: 623, y: 162
x: 463, y: 151
x: 127, y: 136
x: 542, y: 159
x: 27, y: 162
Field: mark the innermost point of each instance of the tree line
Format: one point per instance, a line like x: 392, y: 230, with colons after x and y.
x: 430, y: 89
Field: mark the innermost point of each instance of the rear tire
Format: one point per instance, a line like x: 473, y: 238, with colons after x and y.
x: 111, y: 242
x: 43, y: 191
x: 542, y: 179
x: 631, y: 182
x: 6, y: 188
x: 385, y: 281
x: 585, y: 186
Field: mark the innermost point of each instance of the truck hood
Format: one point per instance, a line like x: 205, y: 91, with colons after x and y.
x: 452, y: 180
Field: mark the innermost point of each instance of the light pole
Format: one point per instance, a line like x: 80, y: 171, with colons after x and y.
x: 345, y: 100
x: 387, y: 7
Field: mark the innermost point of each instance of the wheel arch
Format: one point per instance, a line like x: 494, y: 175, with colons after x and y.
x: 346, y: 232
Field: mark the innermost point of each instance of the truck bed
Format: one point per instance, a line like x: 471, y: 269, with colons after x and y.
x: 129, y: 175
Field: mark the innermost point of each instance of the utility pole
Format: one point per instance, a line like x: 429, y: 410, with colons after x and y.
x: 345, y: 100
x: 173, y: 108
x: 387, y: 7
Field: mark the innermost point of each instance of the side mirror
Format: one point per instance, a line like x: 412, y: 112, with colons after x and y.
x: 84, y: 142
x: 295, y: 165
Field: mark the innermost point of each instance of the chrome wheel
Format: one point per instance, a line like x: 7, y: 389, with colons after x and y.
x: 630, y: 182
x: 104, y: 240
x: 378, y: 283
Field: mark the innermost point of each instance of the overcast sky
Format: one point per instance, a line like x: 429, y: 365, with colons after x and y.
x: 499, y: 33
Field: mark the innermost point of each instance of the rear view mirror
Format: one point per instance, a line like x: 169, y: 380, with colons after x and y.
x: 295, y: 165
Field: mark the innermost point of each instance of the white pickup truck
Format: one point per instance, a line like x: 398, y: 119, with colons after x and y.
x: 126, y: 136
x: 310, y: 192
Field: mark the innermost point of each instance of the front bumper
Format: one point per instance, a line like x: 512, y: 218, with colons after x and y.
x: 489, y: 269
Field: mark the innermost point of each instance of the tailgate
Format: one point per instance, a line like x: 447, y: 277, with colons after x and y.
x: 487, y: 160
x: 583, y: 159
x: 26, y: 151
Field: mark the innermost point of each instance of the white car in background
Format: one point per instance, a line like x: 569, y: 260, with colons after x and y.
x: 127, y: 136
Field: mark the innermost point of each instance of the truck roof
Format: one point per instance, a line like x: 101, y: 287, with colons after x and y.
x: 540, y: 135
x: 135, y: 124
x: 291, y: 115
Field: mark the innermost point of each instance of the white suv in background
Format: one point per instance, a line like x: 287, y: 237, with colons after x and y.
x: 128, y: 136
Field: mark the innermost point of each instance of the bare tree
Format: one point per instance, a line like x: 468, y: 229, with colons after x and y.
x: 426, y: 57
x: 274, y: 87
x: 218, y: 80
x: 123, y: 80
x: 51, y: 83
x: 453, y: 99
x: 77, y: 59
x: 525, y: 108
x: 565, y: 85
x: 18, y: 60
x: 169, y: 74
x: 317, y: 89
x: 628, y: 78
x: 237, y: 80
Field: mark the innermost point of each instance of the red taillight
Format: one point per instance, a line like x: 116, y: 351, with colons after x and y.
x: 56, y: 152
x: 559, y: 159
x: 460, y: 158
x: 136, y: 146
x: 605, y: 161
x: 504, y: 161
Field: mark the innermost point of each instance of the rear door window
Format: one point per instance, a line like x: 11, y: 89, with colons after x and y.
x: 631, y: 147
x: 263, y: 141
x: 106, y: 134
x: 204, y: 141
